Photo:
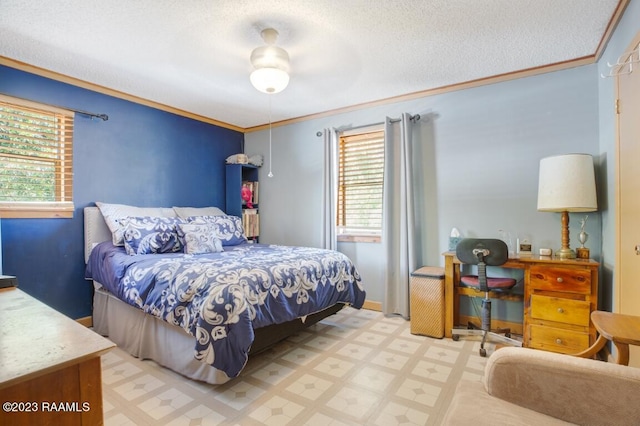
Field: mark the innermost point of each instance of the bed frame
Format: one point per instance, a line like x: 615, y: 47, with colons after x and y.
x: 148, y: 337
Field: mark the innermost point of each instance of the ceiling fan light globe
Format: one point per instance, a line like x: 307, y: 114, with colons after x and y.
x: 269, y: 80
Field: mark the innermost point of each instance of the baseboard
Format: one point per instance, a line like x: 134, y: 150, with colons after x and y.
x: 372, y: 306
x: 86, y: 321
x: 515, y: 327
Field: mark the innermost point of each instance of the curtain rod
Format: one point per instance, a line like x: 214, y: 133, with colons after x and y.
x: 414, y: 117
x: 103, y: 117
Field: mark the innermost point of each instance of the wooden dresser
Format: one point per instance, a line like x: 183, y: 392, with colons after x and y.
x: 49, y: 365
x: 559, y: 296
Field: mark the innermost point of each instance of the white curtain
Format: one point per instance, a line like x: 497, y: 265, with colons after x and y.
x: 398, y: 216
x: 330, y: 190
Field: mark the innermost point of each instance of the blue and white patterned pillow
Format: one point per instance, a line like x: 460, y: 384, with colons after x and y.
x: 228, y: 228
x: 148, y: 235
x: 199, y: 238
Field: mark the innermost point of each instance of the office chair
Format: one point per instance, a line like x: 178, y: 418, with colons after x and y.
x: 484, y: 252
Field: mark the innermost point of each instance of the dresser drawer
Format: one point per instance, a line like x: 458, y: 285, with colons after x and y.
x: 567, y: 311
x: 557, y: 340
x: 564, y: 279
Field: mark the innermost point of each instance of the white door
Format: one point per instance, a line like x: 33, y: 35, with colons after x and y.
x: 628, y: 292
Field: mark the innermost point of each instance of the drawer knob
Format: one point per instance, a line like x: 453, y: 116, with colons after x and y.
x: 560, y: 279
x: 560, y: 311
x: 559, y: 341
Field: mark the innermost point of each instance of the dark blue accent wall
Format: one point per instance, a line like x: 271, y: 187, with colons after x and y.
x: 141, y: 156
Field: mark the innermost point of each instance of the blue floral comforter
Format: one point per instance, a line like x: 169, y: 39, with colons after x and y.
x: 220, y: 298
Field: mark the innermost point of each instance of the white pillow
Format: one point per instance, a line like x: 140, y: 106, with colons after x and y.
x: 112, y: 214
x: 185, y: 212
x: 199, y: 238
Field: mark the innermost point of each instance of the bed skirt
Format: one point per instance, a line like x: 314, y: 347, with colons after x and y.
x: 147, y: 337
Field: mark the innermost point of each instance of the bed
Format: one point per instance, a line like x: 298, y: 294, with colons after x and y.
x: 201, y: 315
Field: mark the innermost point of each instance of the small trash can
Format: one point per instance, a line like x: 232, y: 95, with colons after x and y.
x: 427, y: 301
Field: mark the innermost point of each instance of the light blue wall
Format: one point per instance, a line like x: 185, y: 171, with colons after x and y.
x: 496, y: 134
x: 479, y: 149
x: 627, y: 29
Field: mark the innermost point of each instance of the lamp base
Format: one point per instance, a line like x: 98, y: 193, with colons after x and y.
x: 565, y: 253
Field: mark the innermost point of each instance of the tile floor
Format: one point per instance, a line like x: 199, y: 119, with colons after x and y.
x: 354, y: 368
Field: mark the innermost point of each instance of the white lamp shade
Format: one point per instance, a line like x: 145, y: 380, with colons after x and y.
x: 567, y: 183
x: 269, y: 80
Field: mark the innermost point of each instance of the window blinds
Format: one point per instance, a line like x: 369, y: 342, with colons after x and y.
x: 36, y: 153
x: 360, y: 170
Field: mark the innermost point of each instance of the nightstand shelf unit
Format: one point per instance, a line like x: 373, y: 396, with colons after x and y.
x: 238, y: 175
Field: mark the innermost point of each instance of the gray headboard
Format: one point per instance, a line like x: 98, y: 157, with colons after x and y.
x: 95, y: 230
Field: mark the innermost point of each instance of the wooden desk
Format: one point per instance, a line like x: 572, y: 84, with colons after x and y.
x: 559, y: 296
x: 622, y: 330
x: 49, y: 365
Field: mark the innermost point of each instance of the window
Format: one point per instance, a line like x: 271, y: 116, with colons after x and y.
x: 36, y: 153
x: 360, y: 175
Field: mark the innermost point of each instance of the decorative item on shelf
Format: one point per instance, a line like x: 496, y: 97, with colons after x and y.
x: 545, y: 252
x: 582, y: 252
x: 454, y: 239
x: 246, y: 195
x: 256, y: 160
x: 237, y: 159
x: 524, y: 245
x: 251, y: 224
x: 567, y: 184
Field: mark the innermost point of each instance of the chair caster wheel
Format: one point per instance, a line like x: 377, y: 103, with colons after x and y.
x: 455, y: 337
x: 483, y: 352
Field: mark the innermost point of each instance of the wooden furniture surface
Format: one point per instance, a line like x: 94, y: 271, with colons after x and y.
x: 622, y: 330
x: 559, y: 296
x: 49, y: 365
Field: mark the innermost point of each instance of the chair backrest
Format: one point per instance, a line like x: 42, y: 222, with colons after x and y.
x: 495, y: 252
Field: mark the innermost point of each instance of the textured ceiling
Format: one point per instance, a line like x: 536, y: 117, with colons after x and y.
x: 194, y: 54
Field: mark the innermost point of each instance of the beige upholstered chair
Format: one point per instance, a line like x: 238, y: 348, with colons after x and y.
x: 533, y: 387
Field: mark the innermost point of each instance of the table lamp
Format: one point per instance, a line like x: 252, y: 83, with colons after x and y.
x: 567, y: 184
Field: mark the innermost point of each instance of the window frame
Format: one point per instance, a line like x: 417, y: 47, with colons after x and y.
x: 346, y: 233
x: 63, y: 205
